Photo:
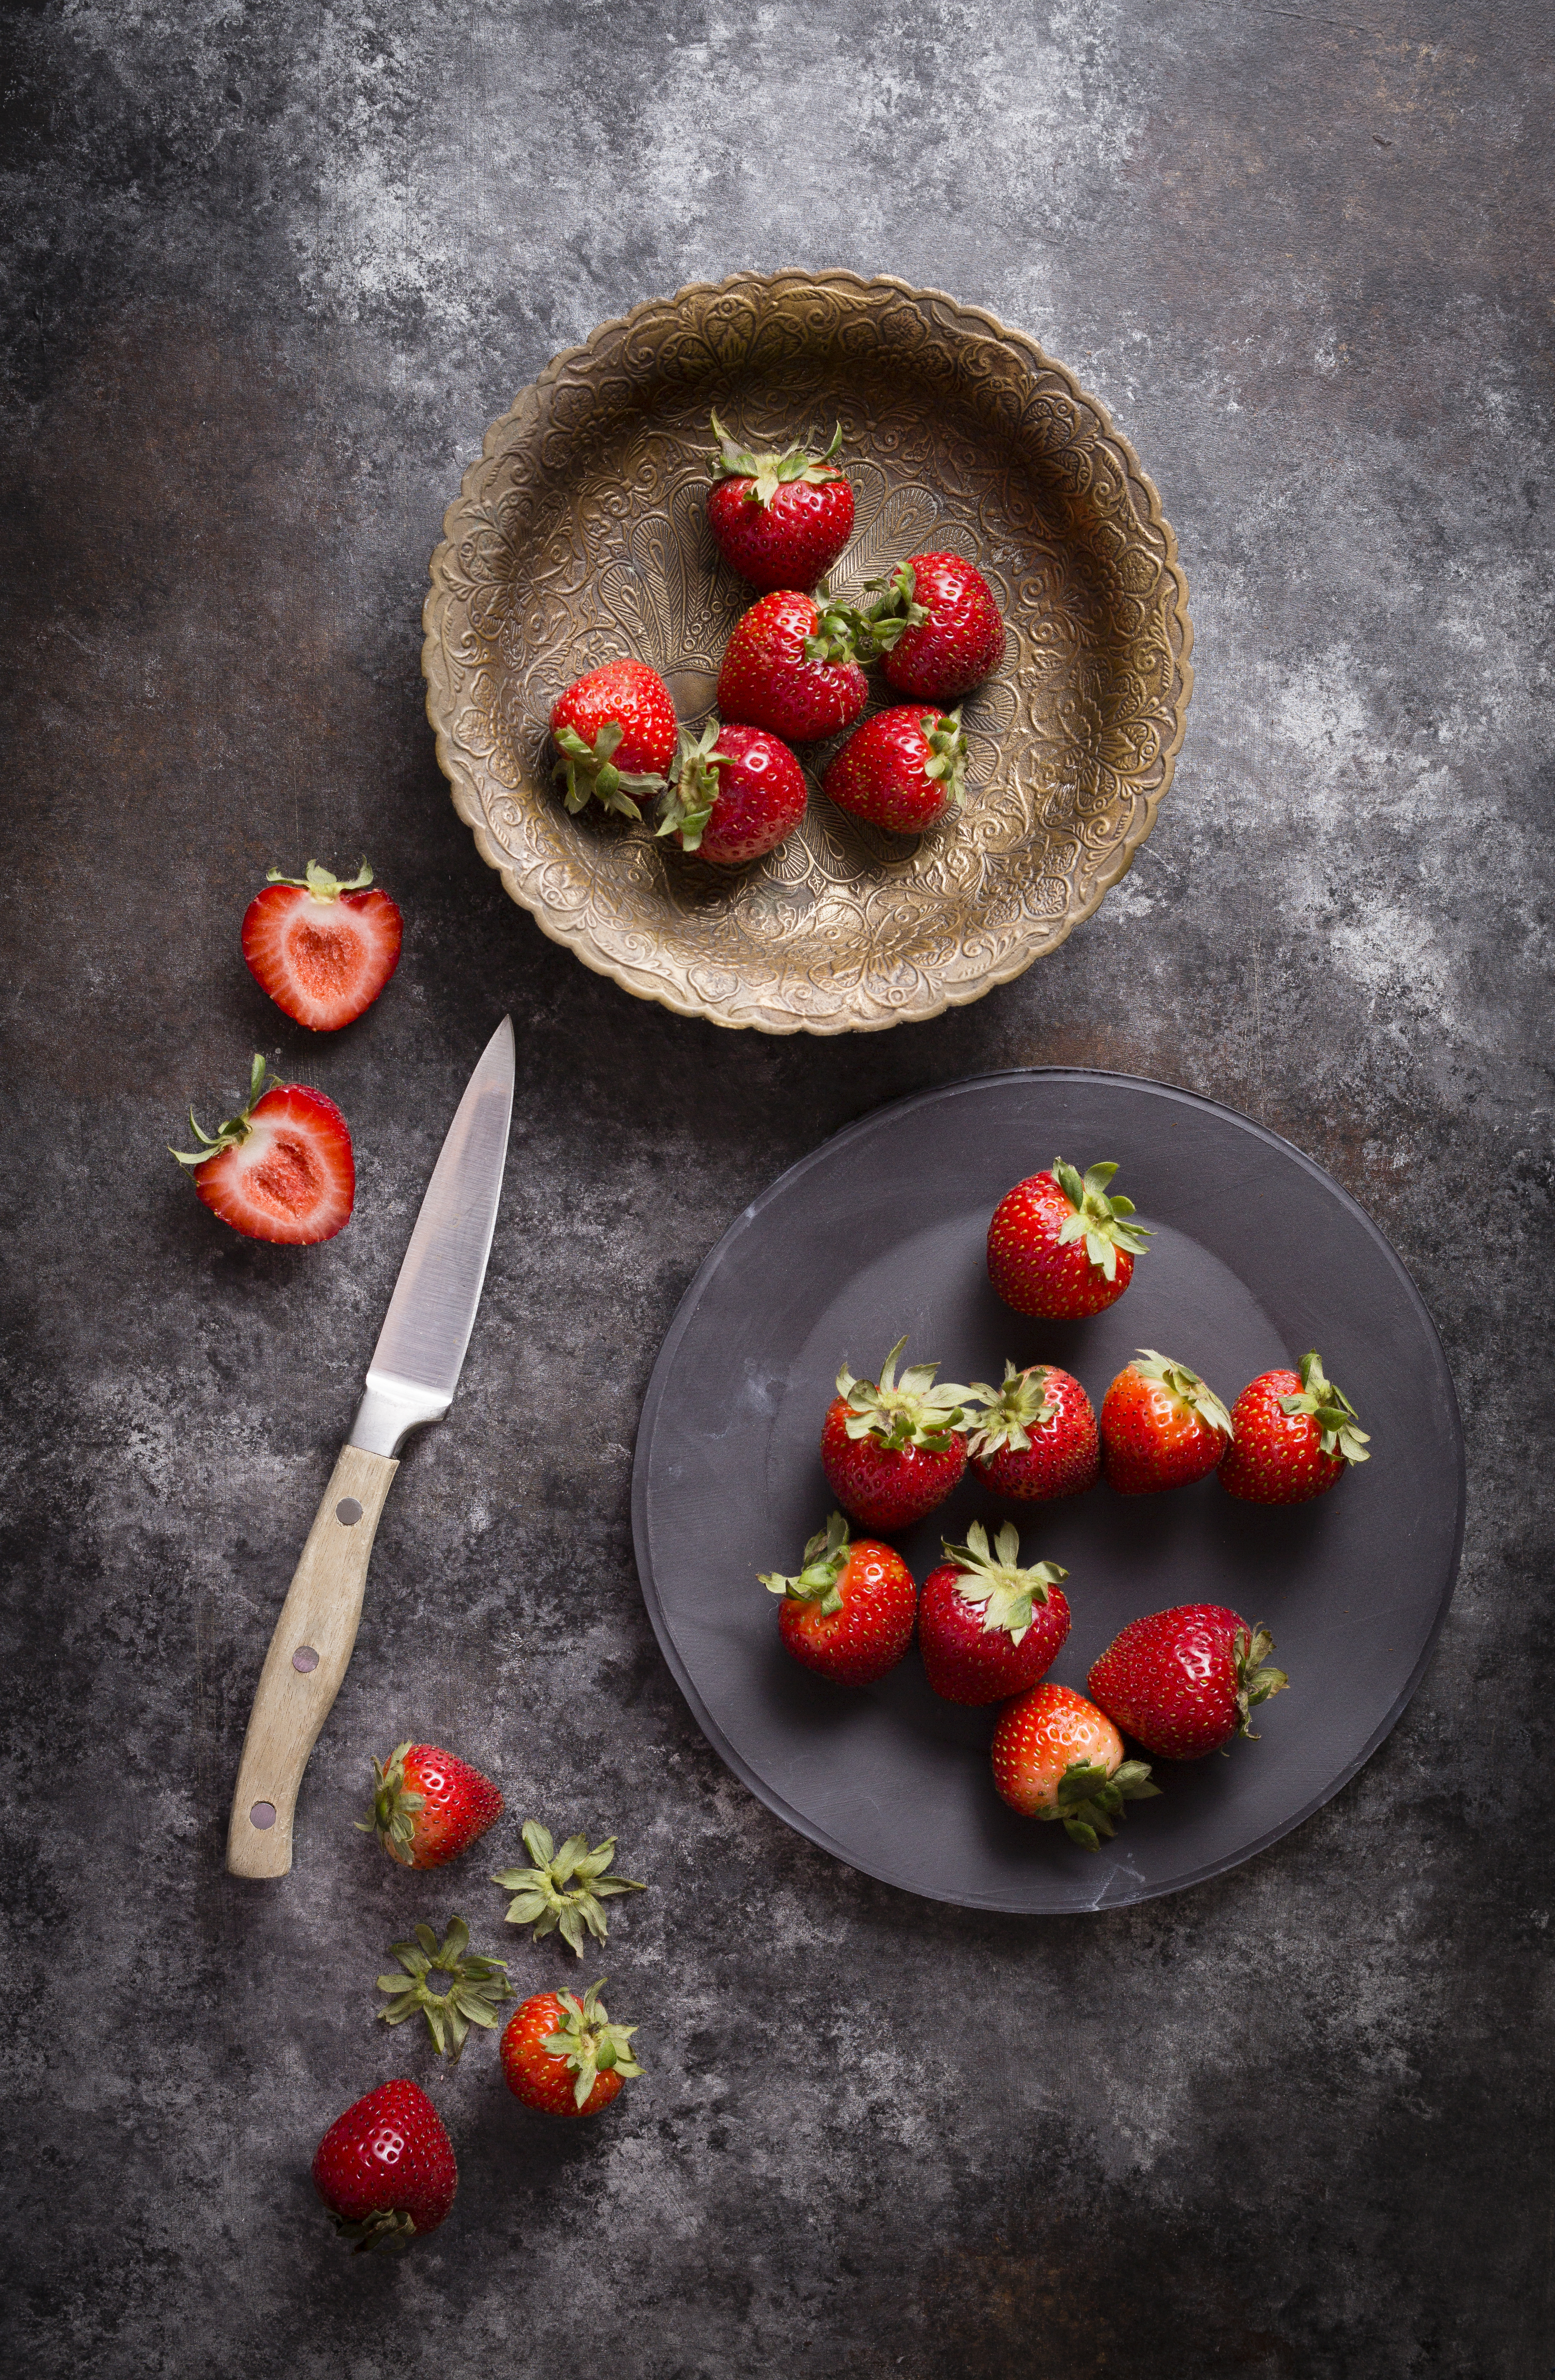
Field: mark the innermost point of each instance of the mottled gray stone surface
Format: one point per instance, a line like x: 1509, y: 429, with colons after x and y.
x: 270, y: 273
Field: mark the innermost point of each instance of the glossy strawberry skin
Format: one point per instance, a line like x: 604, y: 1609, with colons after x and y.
x: 1033, y: 1270
x: 535, y: 2074
x: 765, y: 680
x: 1150, y: 1441
x: 1277, y: 1458
x: 879, y: 774
x: 761, y: 796
x: 1064, y: 1455
x: 881, y: 1489
x: 389, y: 2151
x: 293, y: 1179
x: 1169, y: 1680
x: 1039, y: 1736
x: 458, y: 1805
x: 791, y: 540
x: 321, y: 962
x: 632, y: 697
x: 959, y: 643
x: 968, y: 1663
x: 869, y: 1635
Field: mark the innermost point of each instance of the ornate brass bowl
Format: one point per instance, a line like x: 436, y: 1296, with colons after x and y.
x: 581, y: 534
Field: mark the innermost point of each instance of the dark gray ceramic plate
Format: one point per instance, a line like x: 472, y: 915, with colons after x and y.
x: 1257, y: 1254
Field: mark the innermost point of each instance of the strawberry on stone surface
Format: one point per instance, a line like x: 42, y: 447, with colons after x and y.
x: 780, y: 519
x: 1057, y: 1757
x: 1161, y: 1427
x: 790, y: 666
x: 615, y: 730
x: 282, y: 1169
x: 892, y: 1449
x: 1182, y: 1683
x: 386, y: 2169
x: 322, y: 948
x: 428, y: 1806
x: 1295, y: 1434
x: 849, y: 1612
x: 986, y: 1627
x: 1035, y: 1436
x: 1060, y: 1247
x: 563, y: 2057
x: 737, y: 792
x: 902, y: 769
x: 937, y: 626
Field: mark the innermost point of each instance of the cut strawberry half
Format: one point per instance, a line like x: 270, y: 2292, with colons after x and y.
x: 282, y: 1170
x: 321, y: 948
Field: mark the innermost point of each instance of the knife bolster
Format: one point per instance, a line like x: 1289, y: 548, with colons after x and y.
x: 391, y: 1410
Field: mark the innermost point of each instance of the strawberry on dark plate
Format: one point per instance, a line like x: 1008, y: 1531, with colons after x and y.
x: 1161, y: 1427
x: 1056, y: 1756
x: 1035, y: 1436
x: 428, y: 1806
x: 986, y: 1627
x: 937, y: 626
x: 849, y: 1612
x: 892, y: 1449
x: 321, y: 948
x: 780, y: 519
x: 280, y: 1170
x: 386, y: 2169
x: 615, y: 730
x: 902, y: 769
x: 735, y: 793
x: 1182, y: 1683
x: 563, y: 2055
x: 790, y: 666
x: 1060, y: 1247
x: 1293, y: 1436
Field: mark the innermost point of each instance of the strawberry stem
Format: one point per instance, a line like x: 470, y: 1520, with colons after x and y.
x: 320, y: 883
x: 1332, y: 1410
x: 825, y: 1559
x: 1101, y: 1221
x: 590, y: 2043
x: 692, y: 791
x: 1089, y: 1800
x: 236, y: 1130
x: 909, y: 1411
x: 771, y: 471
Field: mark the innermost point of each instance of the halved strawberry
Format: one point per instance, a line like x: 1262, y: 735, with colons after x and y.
x: 323, y: 948
x: 282, y: 1169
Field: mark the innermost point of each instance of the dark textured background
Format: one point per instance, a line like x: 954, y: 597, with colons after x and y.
x: 270, y: 273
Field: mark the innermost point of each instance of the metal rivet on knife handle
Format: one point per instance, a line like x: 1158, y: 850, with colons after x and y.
x: 348, y: 1512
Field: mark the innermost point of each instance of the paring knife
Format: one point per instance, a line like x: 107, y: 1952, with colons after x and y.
x: 411, y: 1379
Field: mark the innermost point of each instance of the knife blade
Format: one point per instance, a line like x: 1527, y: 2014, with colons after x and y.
x: 410, y: 1381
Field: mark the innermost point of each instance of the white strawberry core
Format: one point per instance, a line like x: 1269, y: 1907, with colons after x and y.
x: 280, y: 1169
x: 325, y: 949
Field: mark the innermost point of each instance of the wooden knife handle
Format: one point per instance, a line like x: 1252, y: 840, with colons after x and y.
x: 305, y: 1663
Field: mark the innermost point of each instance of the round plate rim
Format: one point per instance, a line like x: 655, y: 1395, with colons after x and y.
x: 658, y: 1380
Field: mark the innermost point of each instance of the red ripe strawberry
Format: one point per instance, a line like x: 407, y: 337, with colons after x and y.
x: 1055, y: 1755
x: 849, y: 1612
x: 902, y: 769
x: 891, y: 1447
x: 988, y: 1629
x: 427, y: 1806
x: 789, y: 667
x: 563, y: 2055
x: 322, y: 950
x: 1293, y: 1434
x: 1183, y: 1682
x: 737, y: 792
x: 937, y: 627
x: 1160, y: 1426
x: 386, y: 2169
x: 1035, y: 1437
x: 282, y: 1170
x: 1059, y: 1247
x: 781, y: 520
x: 615, y: 730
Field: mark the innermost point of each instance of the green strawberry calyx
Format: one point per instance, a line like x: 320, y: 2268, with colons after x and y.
x: 317, y: 880
x: 838, y: 629
x: 236, y: 1130
x: 476, y: 1983
x: 770, y: 472
x: 993, y: 1580
x: 1255, y: 1683
x: 1185, y: 1385
x: 897, y: 610
x: 946, y: 763
x: 590, y: 770
x: 386, y: 2227
x: 1330, y: 1408
x: 1011, y: 1411
x: 693, y: 789
x: 825, y: 1561
x: 1101, y: 1221
x: 391, y: 1816
x: 566, y: 1891
x: 910, y: 1411
x: 590, y: 2043
x: 1090, y: 1800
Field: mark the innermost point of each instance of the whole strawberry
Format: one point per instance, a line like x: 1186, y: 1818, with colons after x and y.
x: 890, y: 1449
x: 1035, y: 1437
x: 386, y: 2169
x: 988, y: 1629
x: 1055, y: 1755
x: 1160, y: 1426
x: 282, y: 1169
x: 564, y: 2056
x: 1059, y: 1247
x: 616, y: 731
x: 903, y: 769
x: 735, y: 793
x: 937, y: 626
x: 1293, y: 1434
x: 428, y: 1806
x: 849, y: 1612
x: 789, y: 666
x: 323, y: 950
x: 780, y: 520
x: 1183, y: 1682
